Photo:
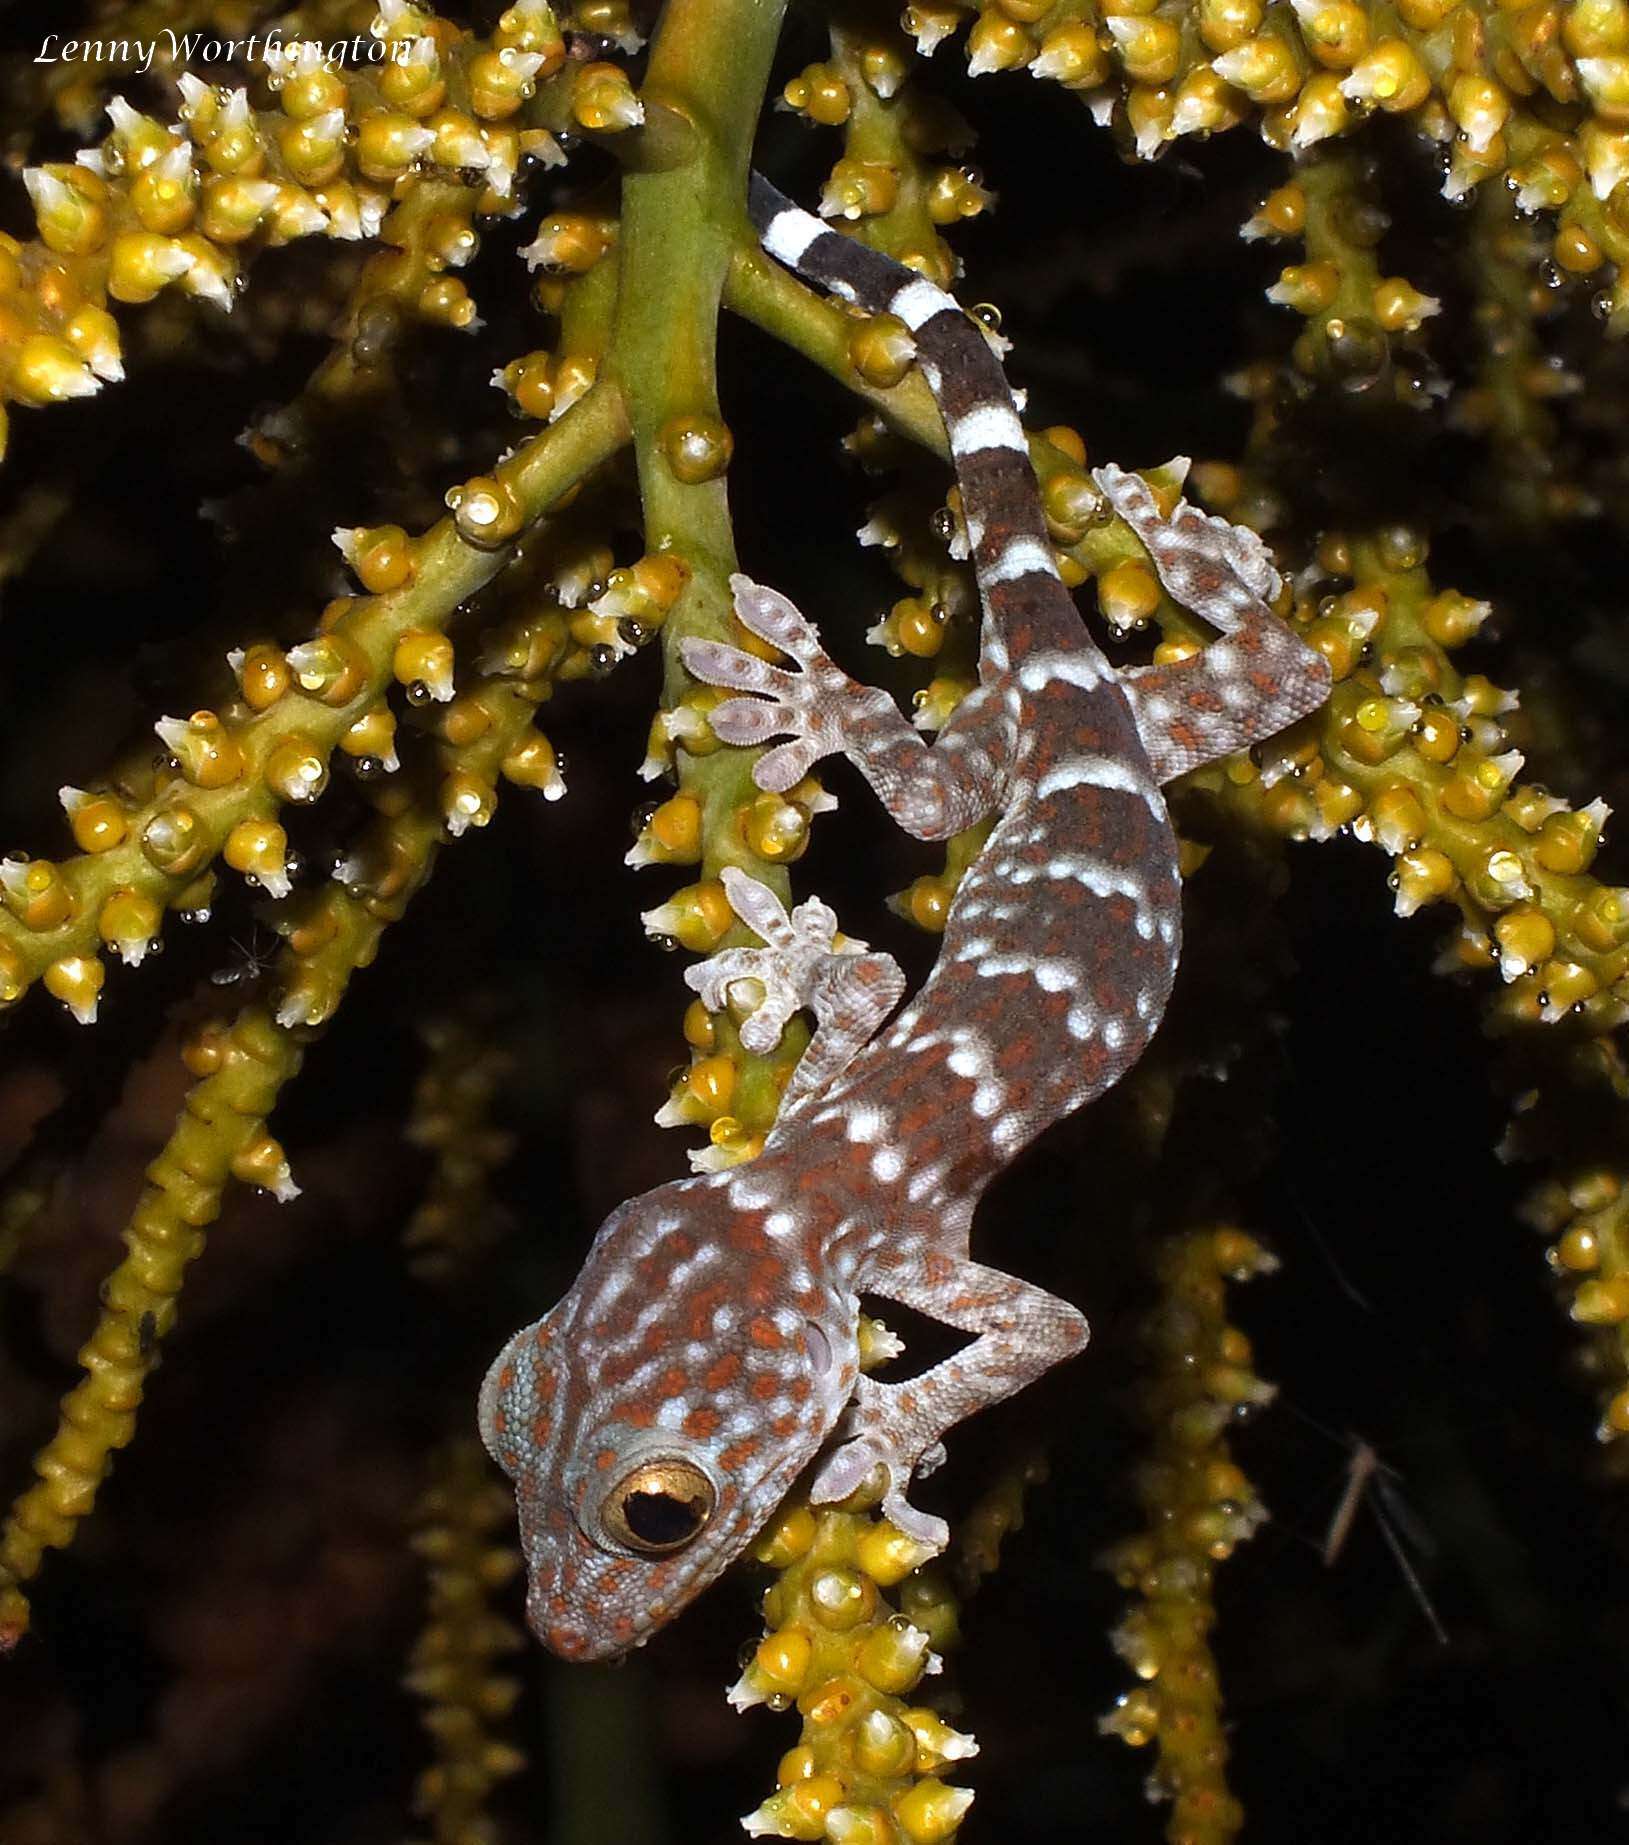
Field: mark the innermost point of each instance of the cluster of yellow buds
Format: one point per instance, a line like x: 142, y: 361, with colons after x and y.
x: 1413, y: 756
x: 1199, y: 1507
x: 456, y: 1217
x: 1356, y: 316
x: 869, y: 1767
x: 182, y: 205
x: 1536, y: 94
x: 461, y: 1524
x: 1586, y: 1218
x: 219, y: 1136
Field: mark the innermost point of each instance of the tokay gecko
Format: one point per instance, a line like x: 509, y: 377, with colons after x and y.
x: 708, y: 1351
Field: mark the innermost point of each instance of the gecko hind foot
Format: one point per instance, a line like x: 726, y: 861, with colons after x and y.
x: 849, y: 989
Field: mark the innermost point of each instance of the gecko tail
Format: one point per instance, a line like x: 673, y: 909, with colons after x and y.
x: 806, y: 244
x: 1006, y: 534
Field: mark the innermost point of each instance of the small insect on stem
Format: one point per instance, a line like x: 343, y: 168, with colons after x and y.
x: 251, y: 960
x: 1370, y: 1481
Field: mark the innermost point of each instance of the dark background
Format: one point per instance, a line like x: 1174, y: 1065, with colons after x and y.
x: 220, y: 1655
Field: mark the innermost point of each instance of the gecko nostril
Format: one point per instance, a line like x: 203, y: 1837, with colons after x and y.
x: 819, y: 1347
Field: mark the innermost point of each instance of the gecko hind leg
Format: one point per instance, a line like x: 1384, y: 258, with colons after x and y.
x: 1240, y: 689
x: 849, y: 989
x: 1020, y: 1331
x: 932, y: 790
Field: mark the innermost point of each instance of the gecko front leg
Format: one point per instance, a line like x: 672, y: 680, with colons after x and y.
x: 849, y: 989
x: 1020, y: 1331
x: 932, y: 790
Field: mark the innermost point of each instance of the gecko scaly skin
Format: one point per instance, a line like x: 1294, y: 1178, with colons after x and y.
x: 708, y: 1351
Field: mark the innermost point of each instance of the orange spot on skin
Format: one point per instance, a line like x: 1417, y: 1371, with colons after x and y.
x: 500, y: 1422
x: 702, y: 1307
x: 672, y: 1381
x: 701, y: 1423
x: 746, y: 1233
x: 783, y: 1426
x: 912, y: 1124
x: 738, y: 1453
x: 766, y: 1333
x: 542, y: 1428
x: 765, y: 1386
x: 723, y: 1371
x: 763, y: 1282
x: 506, y: 1377
x: 603, y: 1459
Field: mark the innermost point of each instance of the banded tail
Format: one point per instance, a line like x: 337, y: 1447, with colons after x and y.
x: 1001, y: 501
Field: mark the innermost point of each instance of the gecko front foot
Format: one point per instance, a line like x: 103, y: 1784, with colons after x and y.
x: 818, y: 706
x: 849, y: 990
x: 879, y: 1436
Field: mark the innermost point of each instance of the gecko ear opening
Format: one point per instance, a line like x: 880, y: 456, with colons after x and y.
x: 818, y: 1347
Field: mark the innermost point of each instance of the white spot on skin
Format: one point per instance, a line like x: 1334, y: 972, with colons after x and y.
x: 1023, y: 557
x: 1103, y: 772
x: 1055, y: 976
x: 988, y: 426
x: 789, y: 235
x: 1100, y: 879
x: 1114, y: 1033
x: 887, y: 1163
x: 780, y: 1223
x: 993, y: 965
x: 1008, y: 1133
x: 987, y: 1099
x: 917, y: 303
x: 1082, y: 1022
x: 924, y: 1184
x: 1076, y: 669
x: 865, y: 1124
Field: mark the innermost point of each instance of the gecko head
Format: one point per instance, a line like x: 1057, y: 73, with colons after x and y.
x: 639, y: 1483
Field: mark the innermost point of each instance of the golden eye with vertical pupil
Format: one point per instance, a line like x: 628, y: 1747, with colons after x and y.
x: 659, y: 1507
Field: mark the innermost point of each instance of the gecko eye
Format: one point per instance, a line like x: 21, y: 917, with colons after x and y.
x: 660, y: 1507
